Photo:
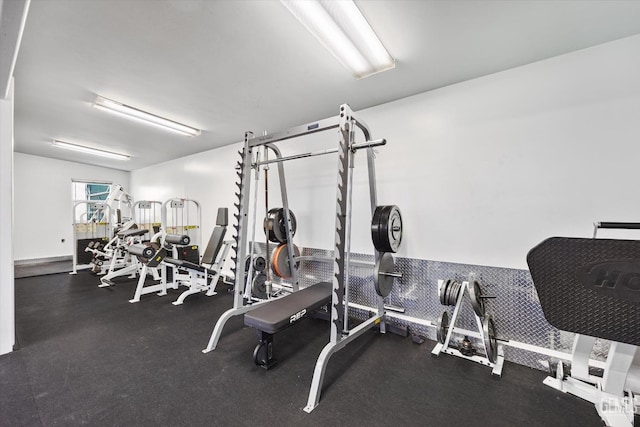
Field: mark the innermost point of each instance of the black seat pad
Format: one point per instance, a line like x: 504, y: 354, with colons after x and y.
x: 132, y: 232
x: 180, y: 263
x: 589, y: 286
x: 274, y: 316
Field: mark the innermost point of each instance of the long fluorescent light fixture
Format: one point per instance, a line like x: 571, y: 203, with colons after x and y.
x: 343, y: 30
x: 136, y: 114
x: 89, y: 150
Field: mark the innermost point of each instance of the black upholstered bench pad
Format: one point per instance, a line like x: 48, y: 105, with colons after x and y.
x: 185, y: 264
x: 132, y: 232
x: 276, y: 315
x: 589, y: 286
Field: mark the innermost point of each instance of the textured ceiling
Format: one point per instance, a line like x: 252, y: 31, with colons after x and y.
x: 230, y: 66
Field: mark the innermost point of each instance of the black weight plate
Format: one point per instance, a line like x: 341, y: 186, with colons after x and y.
x: 386, y: 232
x: 442, y: 327
x: 452, y: 288
x: 443, y: 295
x: 383, y: 230
x: 393, y: 228
x: 376, y: 235
x: 280, y: 226
x: 477, y: 302
x: 457, y: 292
x: 450, y: 291
x: 453, y: 296
x: 259, y: 286
x: 382, y: 282
x: 259, y: 263
x: 446, y: 292
x: 270, y: 224
x: 443, y: 291
x: 490, y: 341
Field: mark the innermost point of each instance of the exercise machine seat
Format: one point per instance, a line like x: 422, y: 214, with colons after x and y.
x: 132, y: 232
x: 589, y: 286
x: 276, y: 315
x: 210, y: 253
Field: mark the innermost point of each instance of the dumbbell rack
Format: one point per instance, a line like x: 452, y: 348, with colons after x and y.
x: 484, y: 334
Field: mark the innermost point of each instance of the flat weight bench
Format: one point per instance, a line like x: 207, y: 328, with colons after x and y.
x: 592, y: 287
x: 277, y: 315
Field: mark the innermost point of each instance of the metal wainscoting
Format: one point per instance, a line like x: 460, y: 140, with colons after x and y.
x: 516, y: 310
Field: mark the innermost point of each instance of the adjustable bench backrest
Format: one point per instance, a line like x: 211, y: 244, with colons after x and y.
x: 589, y: 286
x: 217, y: 237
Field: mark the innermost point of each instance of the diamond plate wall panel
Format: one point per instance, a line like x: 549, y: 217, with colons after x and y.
x: 515, y: 309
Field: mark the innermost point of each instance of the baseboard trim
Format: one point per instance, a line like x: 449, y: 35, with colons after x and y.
x: 33, y: 261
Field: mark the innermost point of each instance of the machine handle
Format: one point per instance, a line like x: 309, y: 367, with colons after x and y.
x: 619, y: 225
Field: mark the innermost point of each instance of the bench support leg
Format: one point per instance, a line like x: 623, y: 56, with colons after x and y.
x: 263, y: 353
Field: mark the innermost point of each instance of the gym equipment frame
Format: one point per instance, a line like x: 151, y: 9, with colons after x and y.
x: 583, y: 285
x: 106, y: 212
x: 450, y: 291
x: 340, y: 335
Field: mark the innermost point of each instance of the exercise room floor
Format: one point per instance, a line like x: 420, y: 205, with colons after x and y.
x: 87, y: 356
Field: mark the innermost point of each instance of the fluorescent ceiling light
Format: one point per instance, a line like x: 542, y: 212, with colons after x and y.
x: 343, y: 30
x: 133, y: 113
x: 89, y: 150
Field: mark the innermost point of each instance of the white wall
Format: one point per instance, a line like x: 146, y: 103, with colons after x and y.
x: 482, y: 170
x: 7, y: 301
x: 43, y: 203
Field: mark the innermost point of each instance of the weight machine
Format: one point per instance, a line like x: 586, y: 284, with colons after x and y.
x: 590, y: 287
x: 181, y: 232
x: 387, y: 230
x: 147, y: 214
x: 203, y: 276
x: 94, y: 226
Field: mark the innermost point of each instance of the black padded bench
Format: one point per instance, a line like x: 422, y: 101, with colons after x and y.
x: 132, y: 232
x: 589, y: 286
x: 187, y: 265
x: 277, y: 315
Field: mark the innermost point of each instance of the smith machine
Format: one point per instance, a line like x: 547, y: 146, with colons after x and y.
x: 386, y: 233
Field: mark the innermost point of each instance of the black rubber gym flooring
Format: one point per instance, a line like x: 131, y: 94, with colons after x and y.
x: 87, y: 356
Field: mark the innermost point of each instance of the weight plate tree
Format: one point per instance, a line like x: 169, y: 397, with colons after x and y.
x: 386, y: 228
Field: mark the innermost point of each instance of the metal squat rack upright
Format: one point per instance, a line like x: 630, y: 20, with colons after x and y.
x: 346, y: 124
x: 452, y: 292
